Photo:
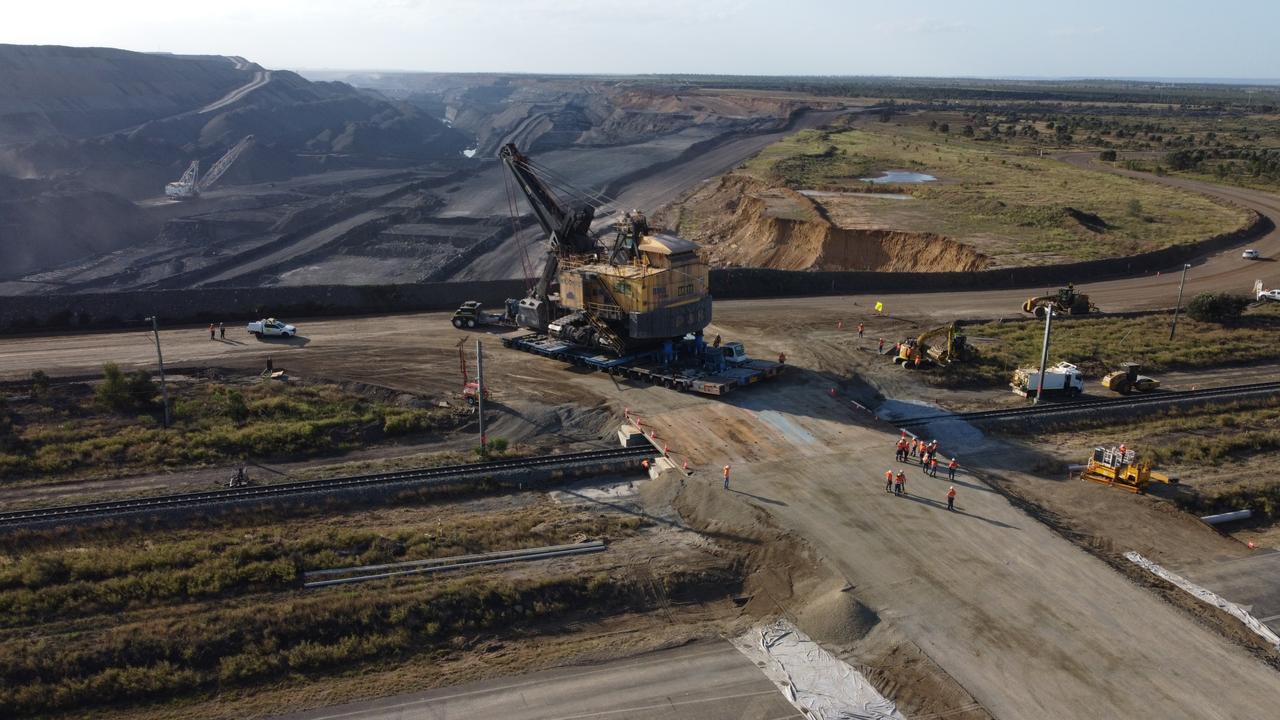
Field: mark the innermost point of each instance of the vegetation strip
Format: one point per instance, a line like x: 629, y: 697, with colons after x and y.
x: 418, y: 567
x: 1229, y: 392
x: 432, y: 476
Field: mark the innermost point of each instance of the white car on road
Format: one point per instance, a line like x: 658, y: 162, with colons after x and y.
x: 271, y: 327
x: 1249, y: 254
x: 1272, y: 294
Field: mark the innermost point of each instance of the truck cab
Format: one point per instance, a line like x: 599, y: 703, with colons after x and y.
x: 469, y: 314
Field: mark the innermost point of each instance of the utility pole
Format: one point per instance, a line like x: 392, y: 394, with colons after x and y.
x: 484, y: 444
x: 1044, y: 352
x: 164, y: 388
x: 1174, y: 327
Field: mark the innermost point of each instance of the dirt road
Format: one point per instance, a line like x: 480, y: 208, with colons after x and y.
x: 260, y: 78
x: 1027, y: 623
x: 701, y: 681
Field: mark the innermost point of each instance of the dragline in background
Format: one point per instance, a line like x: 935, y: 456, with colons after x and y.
x: 190, y: 185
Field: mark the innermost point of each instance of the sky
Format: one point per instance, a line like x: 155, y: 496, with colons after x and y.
x: 1010, y: 38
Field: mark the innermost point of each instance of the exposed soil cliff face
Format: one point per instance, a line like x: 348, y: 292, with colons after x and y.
x: 744, y: 223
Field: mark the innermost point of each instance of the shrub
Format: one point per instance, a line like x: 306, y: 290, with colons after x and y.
x: 235, y: 409
x: 39, y: 383
x: 112, y: 393
x: 122, y: 392
x: 1107, y: 156
x: 1219, y: 308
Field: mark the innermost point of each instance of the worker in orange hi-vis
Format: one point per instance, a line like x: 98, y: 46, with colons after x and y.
x: 951, y: 498
x: 900, y: 483
x: 933, y: 466
x: 861, y: 327
x: 888, y: 481
x: 951, y: 469
x: 726, y: 477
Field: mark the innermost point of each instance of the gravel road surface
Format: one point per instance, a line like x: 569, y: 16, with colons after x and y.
x: 701, y: 681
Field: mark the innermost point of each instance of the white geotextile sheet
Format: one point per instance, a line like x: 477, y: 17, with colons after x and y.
x: 1207, y: 596
x: 819, y: 684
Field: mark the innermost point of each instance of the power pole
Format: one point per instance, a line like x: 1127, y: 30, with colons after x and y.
x: 164, y: 388
x: 1044, y: 352
x: 1174, y: 327
x: 484, y: 444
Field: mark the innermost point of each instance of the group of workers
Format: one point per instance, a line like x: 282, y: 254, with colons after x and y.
x: 927, y: 453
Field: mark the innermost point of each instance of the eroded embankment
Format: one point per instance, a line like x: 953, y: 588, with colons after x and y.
x: 743, y: 223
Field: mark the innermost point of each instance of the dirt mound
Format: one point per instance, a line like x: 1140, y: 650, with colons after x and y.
x: 55, y: 223
x: 747, y: 224
x: 835, y: 617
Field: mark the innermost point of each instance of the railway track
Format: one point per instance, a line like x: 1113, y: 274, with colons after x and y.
x: 425, y: 477
x: 1221, y: 394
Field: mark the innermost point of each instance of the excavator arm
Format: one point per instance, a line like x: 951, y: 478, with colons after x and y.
x: 568, y: 232
x: 568, y: 229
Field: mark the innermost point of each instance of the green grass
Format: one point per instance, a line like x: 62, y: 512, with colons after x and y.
x: 67, y: 433
x: 1099, y: 345
x: 1197, y: 441
x: 117, y: 617
x: 60, y: 580
x: 1005, y: 200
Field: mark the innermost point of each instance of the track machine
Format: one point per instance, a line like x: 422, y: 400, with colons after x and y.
x: 1119, y: 468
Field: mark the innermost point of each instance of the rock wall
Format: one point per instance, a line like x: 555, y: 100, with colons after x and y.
x: 32, y: 312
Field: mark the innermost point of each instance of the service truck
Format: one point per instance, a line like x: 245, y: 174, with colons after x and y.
x: 1061, y: 380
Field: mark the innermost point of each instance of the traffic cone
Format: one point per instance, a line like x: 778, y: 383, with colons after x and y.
x: 833, y: 392
x: 666, y: 451
x: 685, y: 466
x: 1252, y: 546
x: 840, y: 324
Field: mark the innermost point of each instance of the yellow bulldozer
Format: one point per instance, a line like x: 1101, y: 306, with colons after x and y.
x: 1118, y: 467
x: 1066, y: 301
x: 953, y: 347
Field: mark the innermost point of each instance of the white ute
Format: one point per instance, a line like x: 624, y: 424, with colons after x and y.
x: 271, y: 327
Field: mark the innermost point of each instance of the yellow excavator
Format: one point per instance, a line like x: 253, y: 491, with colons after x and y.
x: 1066, y: 301
x: 954, y: 347
x: 1119, y: 468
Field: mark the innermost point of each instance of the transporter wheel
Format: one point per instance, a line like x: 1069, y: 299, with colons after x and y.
x: 471, y: 322
x: 457, y: 322
x: 1039, y: 311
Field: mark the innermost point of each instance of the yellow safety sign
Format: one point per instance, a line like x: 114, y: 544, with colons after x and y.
x: 879, y: 306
